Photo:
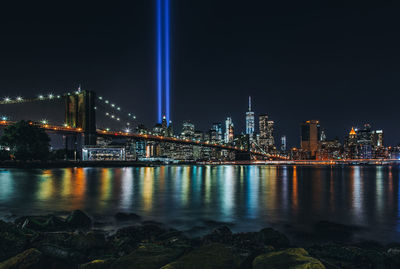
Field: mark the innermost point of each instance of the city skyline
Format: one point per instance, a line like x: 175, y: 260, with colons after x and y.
x: 216, y: 64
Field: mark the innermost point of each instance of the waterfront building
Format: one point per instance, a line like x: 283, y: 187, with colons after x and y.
x: 350, y: 145
x: 310, y: 136
x: 110, y: 153
x: 377, y: 138
x: 364, y: 142
x: 250, y: 120
x: 329, y: 150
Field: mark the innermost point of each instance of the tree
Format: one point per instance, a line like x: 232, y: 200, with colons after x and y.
x: 26, y: 141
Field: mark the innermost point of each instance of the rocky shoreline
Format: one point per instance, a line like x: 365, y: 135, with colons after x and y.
x: 33, y: 242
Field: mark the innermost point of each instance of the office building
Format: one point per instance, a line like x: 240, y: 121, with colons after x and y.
x: 310, y: 136
x: 229, y: 131
x: 250, y: 120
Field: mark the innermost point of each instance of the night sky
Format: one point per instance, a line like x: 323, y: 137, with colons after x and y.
x: 332, y: 61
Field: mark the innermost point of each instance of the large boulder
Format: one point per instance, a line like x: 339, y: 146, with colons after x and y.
x: 149, y: 256
x: 78, y: 219
x: 12, y: 240
x: 126, y: 239
x: 49, y: 223
x: 273, y: 238
x: 293, y: 258
x: 221, y: 234
x: 29, y: 259
x: 87, y: 242
x: 212, y: 256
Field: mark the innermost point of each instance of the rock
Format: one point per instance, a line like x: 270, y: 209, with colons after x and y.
x: 212, y: 256
x: 78, y: 219
x: 47, y: 223
x: 12, y: 240
x: 29, y: 259
x: 148, y: 256
x: 271, y: 237
x: 293, y: 258
x: 127, y: 239
x: 97, y: 264
x: 120, y: 216
x: 393, y: 255
x: 219, y: 235
x: 89, y: 241
x: 67, y: 255
x: 349, y: 256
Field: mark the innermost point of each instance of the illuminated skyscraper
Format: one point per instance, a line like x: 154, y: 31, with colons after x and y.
x: 229, y: 131
x: 283, y: 143
x: 263, y: 125
x: 217, y: 126
x: 270, y: 134
x: 266, y: 138
x: 187, y: 130
x: 250, y: 120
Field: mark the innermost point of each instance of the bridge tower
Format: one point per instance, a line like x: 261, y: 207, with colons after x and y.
x: 80, y: 113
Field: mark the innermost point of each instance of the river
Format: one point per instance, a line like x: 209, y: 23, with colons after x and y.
x: 197, y: 198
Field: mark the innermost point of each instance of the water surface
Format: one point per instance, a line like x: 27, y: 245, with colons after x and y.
x: 247, y: 198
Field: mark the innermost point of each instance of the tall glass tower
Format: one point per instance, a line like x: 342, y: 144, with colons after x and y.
x: 250, y: 120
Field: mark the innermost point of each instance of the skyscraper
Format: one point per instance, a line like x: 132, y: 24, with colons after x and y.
x: 217, y: 126
x: 229, y: 132
x: 187, y: 130
x: 263, y: 126
x: 283, y: 143
x: 310, y: 136
x: 250, y: 120
x: 270, y: 134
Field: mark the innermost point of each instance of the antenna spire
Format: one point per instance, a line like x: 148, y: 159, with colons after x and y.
x: 249, y: 103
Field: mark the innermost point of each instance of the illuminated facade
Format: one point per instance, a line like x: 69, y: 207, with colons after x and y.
x: 250, y: 120
x: 217, y: 126
x: 187, y: 130
x: 229, y: 131
x: 283, y: 143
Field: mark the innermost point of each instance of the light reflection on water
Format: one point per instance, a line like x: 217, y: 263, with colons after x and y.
x: 247, y: 197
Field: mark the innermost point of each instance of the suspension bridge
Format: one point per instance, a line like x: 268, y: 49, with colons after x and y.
x: 80, y: 128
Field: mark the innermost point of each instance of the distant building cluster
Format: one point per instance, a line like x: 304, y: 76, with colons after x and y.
x: 222, y: 133
x: 363, y: 143
x: 258, y: 136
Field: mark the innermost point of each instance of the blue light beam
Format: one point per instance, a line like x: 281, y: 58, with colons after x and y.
x: 159, y: 61
x: 167, y: 59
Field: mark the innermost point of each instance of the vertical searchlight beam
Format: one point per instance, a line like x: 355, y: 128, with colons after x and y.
x: 159, y: 61
x: 167, y: 58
